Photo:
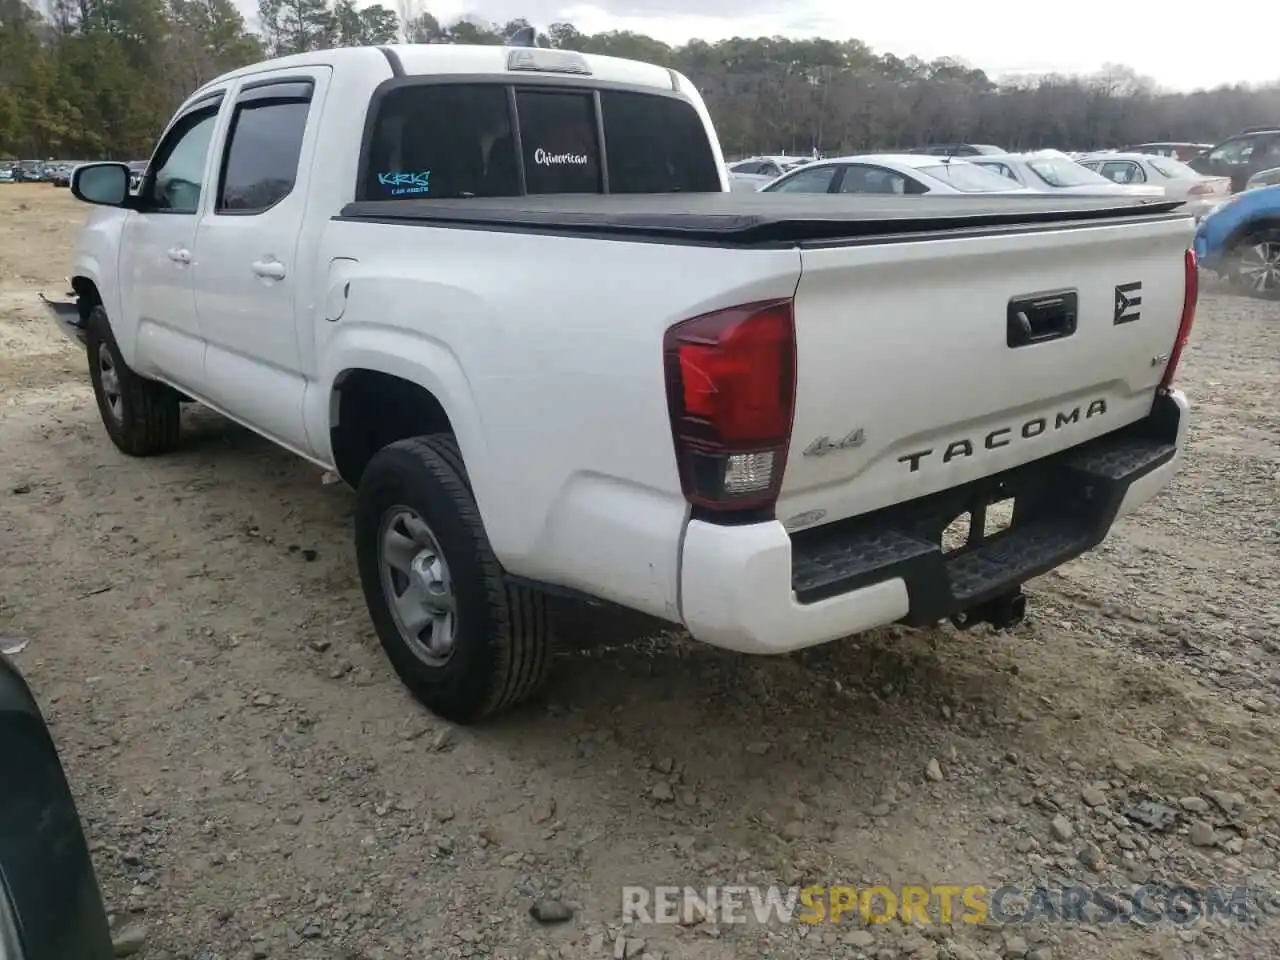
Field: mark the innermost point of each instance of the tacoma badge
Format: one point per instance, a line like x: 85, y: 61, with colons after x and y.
x: 823, y: 445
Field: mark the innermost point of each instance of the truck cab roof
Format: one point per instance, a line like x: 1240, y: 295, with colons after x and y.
x: 428, y: 59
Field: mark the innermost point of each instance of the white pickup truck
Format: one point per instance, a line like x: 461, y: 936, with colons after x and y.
x: 505, y: 294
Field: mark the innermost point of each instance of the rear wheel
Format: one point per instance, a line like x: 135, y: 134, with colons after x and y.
x: 465, y: 642
x: 142, y: 417
x: 1256, y: 265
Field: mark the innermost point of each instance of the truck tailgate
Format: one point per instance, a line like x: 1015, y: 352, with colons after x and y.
x: 929, y: 363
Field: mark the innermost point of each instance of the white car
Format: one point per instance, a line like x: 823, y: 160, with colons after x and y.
x: 506, y: 295
x: 903, y: 174
x: 1201, y: 192
x: 747, y: 182
x: 1053, y: 171
x: 767, y: 166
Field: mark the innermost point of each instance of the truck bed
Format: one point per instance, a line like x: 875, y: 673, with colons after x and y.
x: 755, y: 219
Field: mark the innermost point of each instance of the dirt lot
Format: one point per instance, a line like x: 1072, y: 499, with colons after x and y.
x: 255, y: 783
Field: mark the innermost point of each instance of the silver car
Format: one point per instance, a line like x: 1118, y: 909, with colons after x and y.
x: 1264, y: 178
x: 909, y: 174
x: 1052, y: 171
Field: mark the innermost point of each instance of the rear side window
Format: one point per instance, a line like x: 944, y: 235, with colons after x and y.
x: 455, y: 140
x: 261, y: 160
x: 656, y: 145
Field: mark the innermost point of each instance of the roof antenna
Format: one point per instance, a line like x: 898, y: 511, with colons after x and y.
x: 526, y: 36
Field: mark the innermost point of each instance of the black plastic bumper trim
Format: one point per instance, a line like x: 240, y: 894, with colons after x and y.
x: 1064, y: 505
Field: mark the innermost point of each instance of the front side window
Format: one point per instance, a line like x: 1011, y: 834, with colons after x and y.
x: 178, y: 169
x: 262, y: 153
x: 1233, y: 151
x: 437, y: 140
x: 810, y: 180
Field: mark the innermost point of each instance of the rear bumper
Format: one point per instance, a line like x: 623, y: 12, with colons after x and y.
x: 1200, y: 208
x: 756, y: 589
x: 66, y: 314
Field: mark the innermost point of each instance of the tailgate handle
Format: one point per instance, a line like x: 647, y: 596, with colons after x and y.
x: 1041, y: 317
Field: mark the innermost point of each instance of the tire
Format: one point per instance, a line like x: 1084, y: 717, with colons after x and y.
x: 142, y: 417
x: 1255, y: 265
x: 498, y: 636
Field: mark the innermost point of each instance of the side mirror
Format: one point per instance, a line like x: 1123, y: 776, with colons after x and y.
x: 106, y: 184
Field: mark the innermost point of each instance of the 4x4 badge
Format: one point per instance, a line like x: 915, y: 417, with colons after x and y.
x: 824, y: 445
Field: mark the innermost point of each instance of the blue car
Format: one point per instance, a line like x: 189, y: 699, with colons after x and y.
x: 1240, y: 241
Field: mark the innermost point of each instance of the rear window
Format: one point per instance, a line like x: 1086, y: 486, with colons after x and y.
x: 969, y: 178
x: 1064, y: 173
x: 455, y: 140
x: 656, y: 145
x: 1173, y: 169
x: 559, y: 141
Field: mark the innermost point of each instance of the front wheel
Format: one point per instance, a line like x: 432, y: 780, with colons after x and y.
x: 465, y: 642
x: 1255, y: 266
x: 142, y: 417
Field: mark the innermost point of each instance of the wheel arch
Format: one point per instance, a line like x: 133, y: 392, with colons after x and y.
x: 370, y: 408
x: 1248, y: 228
x: 87, y: 294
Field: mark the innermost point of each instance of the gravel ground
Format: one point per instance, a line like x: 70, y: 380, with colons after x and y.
x: 255, y: 783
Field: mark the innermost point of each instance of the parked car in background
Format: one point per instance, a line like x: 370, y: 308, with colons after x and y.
x: 1240, y: 241
x: 887, y: 173
x: 1053, y: 171
x: 1240, y: 157
x: 958, y: 149
x: 767, y: 166
x: 50, y: 905
x: 1179, y: 150
x: 1264, y: 178
x: 748, y: 182
x: 60, y: 176
x: 1179, y: 181
x: 6, y: 174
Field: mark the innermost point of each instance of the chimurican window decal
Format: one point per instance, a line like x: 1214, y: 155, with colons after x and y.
x: 545, y: 159
x: 405, y: 184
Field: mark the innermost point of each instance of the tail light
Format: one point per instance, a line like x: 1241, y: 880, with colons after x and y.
x: 1202, y: 188
x: 731, y: 379
x: 1188, y: 318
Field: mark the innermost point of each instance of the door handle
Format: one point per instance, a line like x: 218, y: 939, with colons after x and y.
x: 1040, y: 318
x: 268, y: 269
x: 179, y: 254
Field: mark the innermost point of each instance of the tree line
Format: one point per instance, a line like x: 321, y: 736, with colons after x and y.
x: 82, y: 79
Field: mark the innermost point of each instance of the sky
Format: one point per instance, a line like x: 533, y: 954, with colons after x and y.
x: 1073, y: 37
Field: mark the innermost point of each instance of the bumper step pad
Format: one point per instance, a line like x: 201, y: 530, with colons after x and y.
x: 1064, y: 506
